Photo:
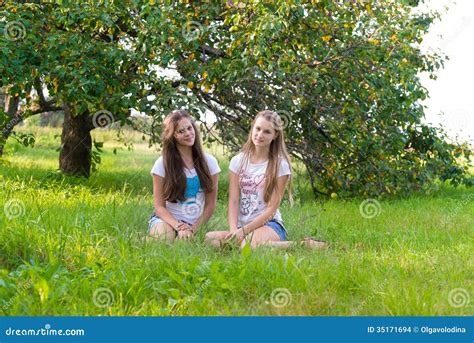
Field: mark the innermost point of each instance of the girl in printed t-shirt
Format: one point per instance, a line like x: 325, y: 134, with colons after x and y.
x: 258, y: 177
x: 184, y: 181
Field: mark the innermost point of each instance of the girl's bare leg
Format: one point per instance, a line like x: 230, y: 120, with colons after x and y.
x: 262, y: 235
x: 265, y: 235
x: 216, y: 238
x: 311, y: 244
x: 162, y: 231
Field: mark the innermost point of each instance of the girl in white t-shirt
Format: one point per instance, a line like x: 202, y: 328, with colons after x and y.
x: 184, y: 181
x: 258, y: 178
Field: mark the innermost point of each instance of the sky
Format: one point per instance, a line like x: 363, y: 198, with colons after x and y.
x: 451, y: 101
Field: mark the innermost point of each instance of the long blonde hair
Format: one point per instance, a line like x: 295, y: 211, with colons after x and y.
x: 277, y: 152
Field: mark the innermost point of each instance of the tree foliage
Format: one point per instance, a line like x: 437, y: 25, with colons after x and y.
x: 344, y: 76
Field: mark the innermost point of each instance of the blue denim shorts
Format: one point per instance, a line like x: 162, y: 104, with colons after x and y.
x: 278, y: 228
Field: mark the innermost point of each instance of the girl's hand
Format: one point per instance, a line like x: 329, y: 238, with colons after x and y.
x: 238, y: 235
x: 183, y: 226
x: 185, y: 234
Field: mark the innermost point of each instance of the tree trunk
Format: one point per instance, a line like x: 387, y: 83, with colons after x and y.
x: 76, y: 144
x: 10, y: 104
x: 3, y: 95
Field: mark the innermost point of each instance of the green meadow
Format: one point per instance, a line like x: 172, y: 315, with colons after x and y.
x: 71, y: 246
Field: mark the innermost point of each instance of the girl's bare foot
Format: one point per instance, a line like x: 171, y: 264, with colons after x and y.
x: 312, y: 243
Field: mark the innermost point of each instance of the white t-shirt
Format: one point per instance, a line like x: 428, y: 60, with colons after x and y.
x: 252, y: 188
x: 191, y: 209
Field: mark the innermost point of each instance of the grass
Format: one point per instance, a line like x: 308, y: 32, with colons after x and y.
x: 76, y: 248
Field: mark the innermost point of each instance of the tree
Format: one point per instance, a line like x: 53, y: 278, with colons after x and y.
x: 342, y: 74
x: 71, y: 57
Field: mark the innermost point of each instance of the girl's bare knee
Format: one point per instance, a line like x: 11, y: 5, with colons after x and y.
x: 252, y: 241
x: 162, y: 232
x: 212, y: 239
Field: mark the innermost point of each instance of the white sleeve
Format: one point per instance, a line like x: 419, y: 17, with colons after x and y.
x: 158, y: 168
x: 212, y: 164
x: 234, y: 165
x: 284, y: 168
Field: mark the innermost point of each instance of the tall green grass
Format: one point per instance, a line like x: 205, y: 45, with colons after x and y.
x: 77, y: 248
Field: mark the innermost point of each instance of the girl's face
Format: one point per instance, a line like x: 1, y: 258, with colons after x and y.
x: 263, y: 133
x: 184, y: 133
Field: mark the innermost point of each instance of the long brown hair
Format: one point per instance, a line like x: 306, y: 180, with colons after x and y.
x: 277, y: 151
x: 175, y: 179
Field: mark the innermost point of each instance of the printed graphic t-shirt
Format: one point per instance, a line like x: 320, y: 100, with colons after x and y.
x: 191, y: 209
x: 252, y: 188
